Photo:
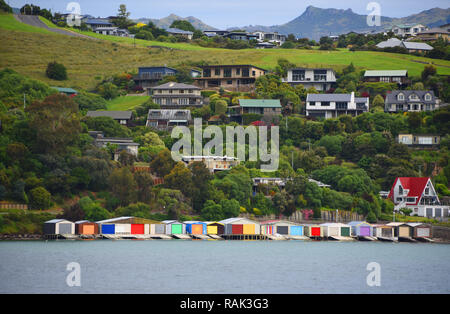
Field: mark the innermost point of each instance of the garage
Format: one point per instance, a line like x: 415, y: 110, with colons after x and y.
x: 137, y: 229
x: 177, y: 229
x: 108, y: 229
x: 284, y: 230
x: 211, y: 229
x: 240, y: 226
x: 248, y: 229
x: 85, y: 227
x: 404, y: 231
x: 315, y: 231
x: 237, y: 229
x: 361, y: 228
x: 364, y: 231
x: 420, y: 230
x: 59, y: 226
x: 215, y: 228
x: 345, y: 231
x: 197, y: 229
x: 296, y: 230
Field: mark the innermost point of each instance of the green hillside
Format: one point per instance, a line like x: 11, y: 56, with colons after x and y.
x: 28, y: 50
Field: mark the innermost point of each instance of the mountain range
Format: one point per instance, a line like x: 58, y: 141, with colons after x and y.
x: 317, y: 22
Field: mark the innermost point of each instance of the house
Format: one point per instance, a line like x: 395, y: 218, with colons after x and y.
x: 433, y: 34
x: 163, y: 119
x: 180, y: 33
x: 68, y: 91
x: 240, y: 36
x: 411, y: 100
x: 418, y: 195
x: 58, y: 226
x: 123, y: 144
x: 149, y: 76
x: 93, y: 23
x: 408, y: 45
x: 112, y: 31
x: 406, y: 30
x: 445, y: 27
x: 231, y: 77
x: 176, y: 95
x: 123, y: 117
x: 333, y: 105
x: 271, y: 37
x: 419, y: 140
x: 319, y: 78
x: 254, y: 106
x: 265, y: 45
x: 213, y: 33
x: 280, y: 183
x: 213, y: 163
x: 390, y: 76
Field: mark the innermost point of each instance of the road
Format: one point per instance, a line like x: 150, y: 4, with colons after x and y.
x: 34, y: 20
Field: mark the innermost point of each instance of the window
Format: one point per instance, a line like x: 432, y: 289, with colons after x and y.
x: 312, y: 103
x: 246, y: 72
x: 385, y: 79
x: 227, y: 72
x: 217, y: 72
x: 428, y: 97
x: 401, y: 97
x: 414, y: 97
x: 238, y: 71
x: 181, y: 91
x: 400, y: 190
x: 411, y: 199
x: 298, y: 75
x: 427, y: 191
x: 253, y: 73
x: 207, y: 73
x: 320, y: 75
x: 325, y: 103
x: 191, y: 91
x: 229, y: 82
x: 341, y: 105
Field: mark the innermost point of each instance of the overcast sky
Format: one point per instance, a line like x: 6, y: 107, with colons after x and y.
x: 229, y: 13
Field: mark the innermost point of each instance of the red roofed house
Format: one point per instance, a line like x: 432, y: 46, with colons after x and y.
x: 419, y: 195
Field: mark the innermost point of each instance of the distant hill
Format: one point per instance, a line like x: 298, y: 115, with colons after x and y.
x: 167, y: 21
x: 316, y: 22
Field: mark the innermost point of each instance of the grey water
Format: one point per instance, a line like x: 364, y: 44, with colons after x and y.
x: 214, y: 267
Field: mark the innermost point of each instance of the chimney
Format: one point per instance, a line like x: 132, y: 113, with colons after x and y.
x: 352, y: 99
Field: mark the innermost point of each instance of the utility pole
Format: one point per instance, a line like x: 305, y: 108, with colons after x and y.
x: 24, y: 101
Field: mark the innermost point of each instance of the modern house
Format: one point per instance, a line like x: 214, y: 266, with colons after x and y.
x: 213, y: 163
x: 149, y: 76
x: 231, y: 77
x: 265, y: 45
x: 213, y: 33
x: 93, y: 23
x: 419, y: 140
x: 390, y: 76
x: 419, y: 195
x: 123, y: 117
x: 271, y: 37
x: 411, y: 100
x: 320, y: 79
x: 163, y: 119
x: 333, y: 105
x: 180, y: 33
x: 254, y: 106
x: 123, y: 144
x: 112, y: 31
x: 406, y: 30
x: 176, y: 95
x: 433, y: 34
x: 240, y: 36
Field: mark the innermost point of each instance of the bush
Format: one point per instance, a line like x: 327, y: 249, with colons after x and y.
x: 40, y: 198
x: 56, y: 71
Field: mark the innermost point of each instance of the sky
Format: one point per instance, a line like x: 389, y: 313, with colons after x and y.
x: 231, y: 13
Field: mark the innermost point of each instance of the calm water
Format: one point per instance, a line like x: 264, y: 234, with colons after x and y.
x: 222, y: 267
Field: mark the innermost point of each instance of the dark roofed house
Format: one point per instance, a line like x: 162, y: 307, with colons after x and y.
x: 177, y: 95
x: 411, y: 100
x: 163, y: 119
x: 123, y: 117
x: 123, y: 144
x: 180, y: 33
x: 97, y: 23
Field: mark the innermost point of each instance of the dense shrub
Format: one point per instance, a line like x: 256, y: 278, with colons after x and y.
x: 56, y: 71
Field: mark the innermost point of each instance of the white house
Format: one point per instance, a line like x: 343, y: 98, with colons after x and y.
x: 320, y: 79
x: 419, y: 195
x: 333, y: 105
x: 408, y: 29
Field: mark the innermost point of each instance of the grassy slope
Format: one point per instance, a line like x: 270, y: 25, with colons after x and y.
x: 126, y: 102
x: 29, y: 49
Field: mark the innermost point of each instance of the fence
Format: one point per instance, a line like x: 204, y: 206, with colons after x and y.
x: 7, y: 205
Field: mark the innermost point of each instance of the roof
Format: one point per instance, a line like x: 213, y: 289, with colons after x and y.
x: 116, y: 140
x: 54, y: 221
x: 334, y: 97
x: 406, y: 25
x: 116, y: 115
x: 358, y: 223
x: 66, y: 90
x: 175, y: 85
x: 391, y: 42
x: 168, y: 114
x: 391, y: 97
x: 262, y: 103
x: 435, y: 30
x: 97, y: 21
x: 235, y: 219
x: 417, y: 46
x: 386, y: 73
x: 414, y: 185
x: 178, y: 31
x: 169, y: 222
x: 230, y: 65
x: 113, y: 219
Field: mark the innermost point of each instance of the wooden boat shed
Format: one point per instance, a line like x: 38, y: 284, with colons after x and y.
x: 383, y: 231
x: 313, y: 231
x: 281, y: 227
x: 195, y: 227
x: 58, y: 226
x: 401, y: 229
x: 215, y: 228
x: 241, y: 226
x: 86, y: 227
x: 420, y: 230
x: 333, y: 229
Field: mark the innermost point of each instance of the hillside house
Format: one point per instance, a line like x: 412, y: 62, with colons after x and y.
x: 271, y: 37
x: 231, y: 77
x: 163, y: 119
x: 321, y: 79
x: 433, y: 34
x: 149, y: 76
x: 333, y: 105
x: 123, y: 117
x: 419, y: 140
x: 67, y: 91
x: 93, y: 23
x: 240, y: 36
x: 407, y: 30
x: 176, y: 95
x: 409, y: 45
x: 411, y: 100
x: 213, y: 163
x: 390, y: 76
x: 419, y: 195
x: 180, y: 33
x: 254, y: 106
x: 122, y: 144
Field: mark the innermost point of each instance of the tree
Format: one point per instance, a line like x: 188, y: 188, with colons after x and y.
x: 201, y: 177
x: 56, y: 71
x: 184, y: 25
x: 163, y: 163
x: 429, y: 70
x: 123, y: 185
x: 180, y: 178
x: 220, y: 107
x: 378, y: 101
x: 122, y: 17
x: 56, y: 122
x: 5, y: 7
x: 144, y: 182
x: 212, y: 211
x: 40, y: 198
x: 108, y: 90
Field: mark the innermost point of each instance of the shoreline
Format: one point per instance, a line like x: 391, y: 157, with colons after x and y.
x: 39, y: 237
